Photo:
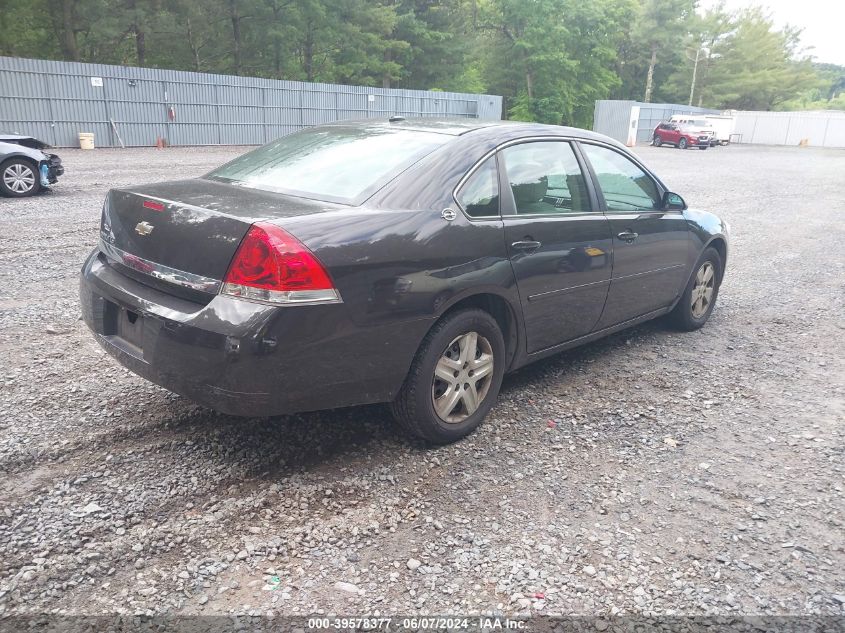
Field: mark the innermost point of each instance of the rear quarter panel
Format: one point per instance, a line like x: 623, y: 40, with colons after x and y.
x: 397, y: 259
x: 407, y: 265
x: 397, y: 272
x: 399, y: 265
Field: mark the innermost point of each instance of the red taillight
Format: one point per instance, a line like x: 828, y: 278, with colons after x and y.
x: 152, y: 204
x: 272, y: 265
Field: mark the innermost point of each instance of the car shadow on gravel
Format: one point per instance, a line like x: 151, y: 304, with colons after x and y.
x: 277, y: 447
x: 319, y: 435
x: 554, y: 367
x: 274, y: 448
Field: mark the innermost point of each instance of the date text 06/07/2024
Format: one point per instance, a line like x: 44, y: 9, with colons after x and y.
x: 418, y: 623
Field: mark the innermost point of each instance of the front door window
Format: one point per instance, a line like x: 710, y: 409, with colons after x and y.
x: 626, y: 187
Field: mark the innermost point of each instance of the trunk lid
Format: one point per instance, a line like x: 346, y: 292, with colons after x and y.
x: 154, y: 232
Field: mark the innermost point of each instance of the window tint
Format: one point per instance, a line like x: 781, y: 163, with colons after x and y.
x: 330, y: 163
x: 479, y: 195
x: 626, y: 187
x: 545, y: 178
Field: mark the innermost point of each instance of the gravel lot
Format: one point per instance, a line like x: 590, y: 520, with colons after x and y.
x: 651, y: 472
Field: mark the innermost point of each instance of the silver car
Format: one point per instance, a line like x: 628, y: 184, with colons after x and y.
x: 25, y: 169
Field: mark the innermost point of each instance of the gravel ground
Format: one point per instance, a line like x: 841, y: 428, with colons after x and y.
x: 651, y: 472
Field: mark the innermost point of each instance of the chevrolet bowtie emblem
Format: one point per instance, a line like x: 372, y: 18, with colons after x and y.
x: 144, y: 228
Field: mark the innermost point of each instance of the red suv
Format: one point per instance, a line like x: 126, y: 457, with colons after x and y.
x: 683, y: 135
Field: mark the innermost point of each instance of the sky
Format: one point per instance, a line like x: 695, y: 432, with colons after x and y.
x: 822, y: 21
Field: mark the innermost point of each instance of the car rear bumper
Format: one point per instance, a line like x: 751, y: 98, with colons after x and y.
x: 240, y: 357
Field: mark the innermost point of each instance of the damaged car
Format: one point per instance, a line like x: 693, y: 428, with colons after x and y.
x: 399, y: 261
x: 25, y: 168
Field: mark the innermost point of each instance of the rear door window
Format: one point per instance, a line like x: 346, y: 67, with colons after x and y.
x: 479, y: 195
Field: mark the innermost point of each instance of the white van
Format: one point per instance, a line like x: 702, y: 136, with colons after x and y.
x: 723, y: 125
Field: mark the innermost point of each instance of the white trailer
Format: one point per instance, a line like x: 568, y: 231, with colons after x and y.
x: 722, y: 125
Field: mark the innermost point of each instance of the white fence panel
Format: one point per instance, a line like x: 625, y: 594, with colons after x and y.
x: 818, y: 129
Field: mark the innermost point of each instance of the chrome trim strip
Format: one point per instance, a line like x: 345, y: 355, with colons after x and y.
x: 160, y: 271
x: 543, y: 295
x: 648, y: 272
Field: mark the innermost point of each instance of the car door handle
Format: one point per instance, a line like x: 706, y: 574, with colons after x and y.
x: 628, y: 236
x: 526, y: 245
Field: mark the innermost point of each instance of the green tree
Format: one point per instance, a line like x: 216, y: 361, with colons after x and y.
x: 549, y: 59
x: 661, y: 25
x: 832, y: 77
x: 367, y: 48
x: 27, y: 30
x: 438, y: 37
x: 827, y: 94
x: 689, y: 80
x: 560, y: 55
x: 757, y: 66
x: 191, y: 36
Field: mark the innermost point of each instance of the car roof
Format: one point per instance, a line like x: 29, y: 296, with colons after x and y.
x: 504, y: 130
x: 450, y: 126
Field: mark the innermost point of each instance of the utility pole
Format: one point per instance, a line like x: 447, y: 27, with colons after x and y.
x: 694, y: 72
x: 695, y: 61
x: 649, y: 82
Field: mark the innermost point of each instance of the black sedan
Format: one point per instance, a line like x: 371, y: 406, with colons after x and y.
x: 25, y: 169
x: 410, y: 262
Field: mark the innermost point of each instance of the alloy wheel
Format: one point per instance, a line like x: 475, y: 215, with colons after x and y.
x: 19, y: 178
x: 702, y: 290
x: 462, y: 377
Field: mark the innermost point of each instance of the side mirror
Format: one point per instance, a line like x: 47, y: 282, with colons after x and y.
x: 673, y: 202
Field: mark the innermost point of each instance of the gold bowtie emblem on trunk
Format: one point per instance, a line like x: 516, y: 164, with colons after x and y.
x: 144, y: 228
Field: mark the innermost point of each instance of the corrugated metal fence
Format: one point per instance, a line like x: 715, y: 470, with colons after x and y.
x: 824, y: 128
x: 653, y: 113
x: 612, y: 117
x: 54, y: 101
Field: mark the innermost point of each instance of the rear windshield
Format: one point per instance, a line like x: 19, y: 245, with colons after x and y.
x: 337, y: 164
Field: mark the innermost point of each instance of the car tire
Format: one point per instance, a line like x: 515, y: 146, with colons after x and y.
x: 19, y: 178
x: 696, y: 304
x: 657, y: 141
x: 419, y: 407
x: 682, y: 144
